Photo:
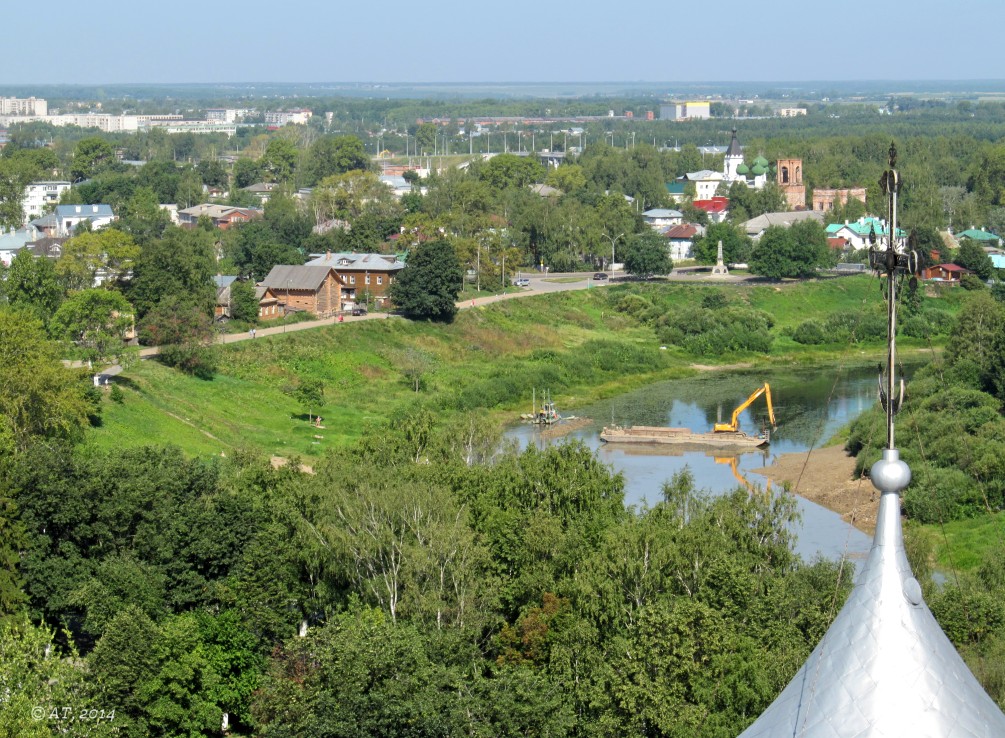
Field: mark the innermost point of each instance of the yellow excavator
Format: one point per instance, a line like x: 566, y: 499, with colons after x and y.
x: 731, y: 426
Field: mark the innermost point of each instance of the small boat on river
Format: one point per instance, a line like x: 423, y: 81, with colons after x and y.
x: 682, y: 436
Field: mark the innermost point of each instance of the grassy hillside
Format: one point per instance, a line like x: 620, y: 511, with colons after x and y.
x: 574, y: 344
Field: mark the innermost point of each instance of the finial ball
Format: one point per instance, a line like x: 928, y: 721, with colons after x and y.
x: 890, y: 474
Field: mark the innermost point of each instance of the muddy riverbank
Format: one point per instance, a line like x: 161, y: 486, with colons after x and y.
x: 825, y: 476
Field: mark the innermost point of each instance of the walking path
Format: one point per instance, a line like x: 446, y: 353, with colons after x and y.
x: 539, y: 284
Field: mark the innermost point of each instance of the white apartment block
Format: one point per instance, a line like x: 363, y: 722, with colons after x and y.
x: 38, y: 195
x: 282, y: 117
x: 228, y: 115
x: 23, y: 106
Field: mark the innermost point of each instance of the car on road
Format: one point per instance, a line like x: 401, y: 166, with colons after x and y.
x: 600, y: 275
x: 522, y: 282
x: 359, y: 310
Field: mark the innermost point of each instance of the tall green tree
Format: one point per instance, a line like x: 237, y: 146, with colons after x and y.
x: 185, y: 333
x: 972, y: 256
x: 33, y: 285
x: 280, y: 160
x: 243, y: 303
x: 331, y: 155
x: 427, y: 288
x: 510, y: 170
x: 95, y: 321
x: 797, y: 251
x: 647, y: 254
x: 39, y: 397
x: 110, y: 251
x: 179, y: 265
x: 15, y: 175
x: 736, y: 245
x: 91, y: 156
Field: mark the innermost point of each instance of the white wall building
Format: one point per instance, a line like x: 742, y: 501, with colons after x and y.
x: 38, y: 195
x: 23, y: 106
x: 660, y: 219
x: 282, y: 117
x: 706, y: 182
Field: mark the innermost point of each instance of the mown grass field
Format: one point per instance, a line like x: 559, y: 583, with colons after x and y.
x: 489, y: 360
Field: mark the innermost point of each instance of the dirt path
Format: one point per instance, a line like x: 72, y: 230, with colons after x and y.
x: 824, y: 476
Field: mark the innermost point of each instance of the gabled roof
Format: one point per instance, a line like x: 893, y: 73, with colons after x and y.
x: 663, y: 213
x: 46, y: 221
x: 90, y: 211
x: 14, y: 240
x: 259, y: 187
x: 953, y: 268
x: 702, y: 174
x: 682, y: 231
x: 352, y: 262
x: 864, y: 226
x: 215, y: 212
x: 786, y: 219
x: 977, y: 235
x: 716, y: 204
x: 545, y: 190
x: 306, y: 277
x: 47, y: 247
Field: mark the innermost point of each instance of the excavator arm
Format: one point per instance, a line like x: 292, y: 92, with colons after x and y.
x: 731, y: 426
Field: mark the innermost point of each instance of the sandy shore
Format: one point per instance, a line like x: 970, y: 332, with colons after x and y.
x: 824, y: 476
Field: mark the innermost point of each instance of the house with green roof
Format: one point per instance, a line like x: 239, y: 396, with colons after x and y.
x: 858, y: 233
x: 983, y: 237
x: 676, y: 191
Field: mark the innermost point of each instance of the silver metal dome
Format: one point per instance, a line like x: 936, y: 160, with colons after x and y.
x: 884, y: 668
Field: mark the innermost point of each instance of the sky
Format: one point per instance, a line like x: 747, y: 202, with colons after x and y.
x: 119, y: 41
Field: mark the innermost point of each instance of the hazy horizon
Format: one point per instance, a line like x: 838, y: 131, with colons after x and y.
x: 117, y: 42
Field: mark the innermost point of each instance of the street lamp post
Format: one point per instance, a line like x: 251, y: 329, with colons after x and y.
x: 613, y: 241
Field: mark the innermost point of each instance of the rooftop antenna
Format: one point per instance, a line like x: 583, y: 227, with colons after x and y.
x: 884, y: 669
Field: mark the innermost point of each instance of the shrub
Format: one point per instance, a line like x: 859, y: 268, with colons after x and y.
x: 809, y: 333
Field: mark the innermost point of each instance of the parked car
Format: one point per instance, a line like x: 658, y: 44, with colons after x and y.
x: 600, y: 275
x: 359, y: 310
x: 522, y: 282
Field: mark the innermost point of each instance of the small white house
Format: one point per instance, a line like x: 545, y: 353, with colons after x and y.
x: 659, y: 219
x: 65, y: 218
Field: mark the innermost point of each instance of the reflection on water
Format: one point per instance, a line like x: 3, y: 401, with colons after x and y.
x: 810, y: 408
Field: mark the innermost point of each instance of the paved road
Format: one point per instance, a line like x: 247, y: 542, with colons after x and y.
x: 539, y: 284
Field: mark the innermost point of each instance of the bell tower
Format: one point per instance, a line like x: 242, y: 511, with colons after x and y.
x: 789, y: 177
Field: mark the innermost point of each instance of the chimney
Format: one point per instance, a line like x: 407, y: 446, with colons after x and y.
x: 328, y: 255
x: 78, y: 208
x: 94, y: 208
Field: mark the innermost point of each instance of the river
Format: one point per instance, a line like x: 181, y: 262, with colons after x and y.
x: 810, y: 407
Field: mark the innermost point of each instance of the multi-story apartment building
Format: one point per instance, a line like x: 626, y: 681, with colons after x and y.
x: 23, y: 106
x: 38, y: 195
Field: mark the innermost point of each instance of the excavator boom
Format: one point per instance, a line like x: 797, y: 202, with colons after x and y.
x: 731, y: 426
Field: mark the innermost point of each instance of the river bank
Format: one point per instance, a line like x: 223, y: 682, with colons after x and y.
x: 825, y: 476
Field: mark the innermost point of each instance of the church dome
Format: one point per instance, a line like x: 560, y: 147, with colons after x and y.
x: 742, y: 169
x: 762, y: 162
x: 758, y: 169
